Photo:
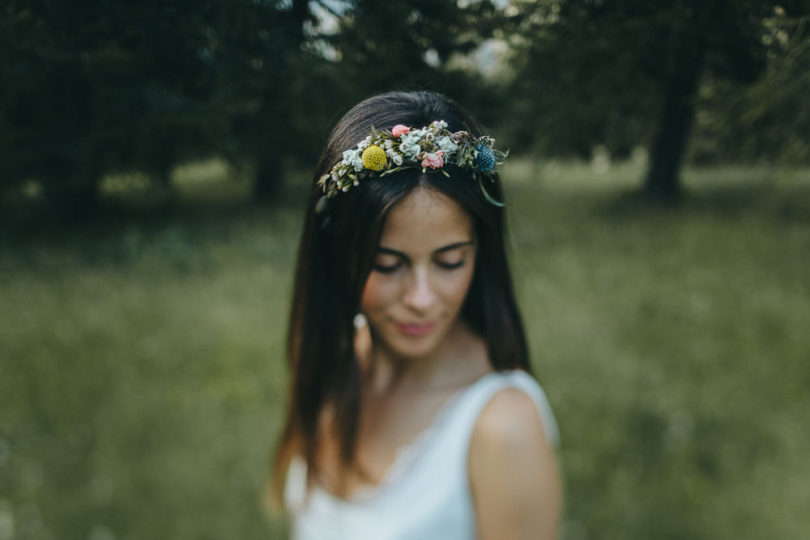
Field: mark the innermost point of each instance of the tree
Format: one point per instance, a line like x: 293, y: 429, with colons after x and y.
x: 87, y: 89
x: 256, y: 54
x: 92, y: 89
x: 768, y: 120
x: 383, y: 46
x: 629, y: 70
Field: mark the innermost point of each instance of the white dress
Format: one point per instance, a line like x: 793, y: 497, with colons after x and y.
x: 426, y: 492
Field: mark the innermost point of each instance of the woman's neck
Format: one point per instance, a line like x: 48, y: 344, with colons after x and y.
x: 460, y: 357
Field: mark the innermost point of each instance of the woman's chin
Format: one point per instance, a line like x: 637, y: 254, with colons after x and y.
x: 413, y: 346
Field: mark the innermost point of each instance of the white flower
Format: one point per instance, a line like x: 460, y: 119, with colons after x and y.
x: 446, y: 145
x: 354, y: 159
x: 410, y: 149
x: 410, y: 143
x: 411, y: 138
x: 394, y: 156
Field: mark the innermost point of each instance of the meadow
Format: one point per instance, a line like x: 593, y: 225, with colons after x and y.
x: 142, y: 373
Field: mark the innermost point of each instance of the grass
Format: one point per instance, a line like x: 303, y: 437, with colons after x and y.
x: 143, y: 382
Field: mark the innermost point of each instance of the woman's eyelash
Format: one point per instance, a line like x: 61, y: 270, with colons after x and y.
x: 391, y: 268
x: 387, y: 268
x: 451, y: 266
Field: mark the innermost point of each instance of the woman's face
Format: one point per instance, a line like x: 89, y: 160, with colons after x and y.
x: 422, y: 271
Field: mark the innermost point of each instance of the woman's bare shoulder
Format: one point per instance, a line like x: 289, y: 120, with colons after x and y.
x: 510, y: 418
x: 512, y: 469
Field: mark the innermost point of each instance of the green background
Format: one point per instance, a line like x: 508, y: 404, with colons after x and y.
x: 143, y: 379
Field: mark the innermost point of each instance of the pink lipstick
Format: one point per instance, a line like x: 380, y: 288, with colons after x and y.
x: 415, y: 329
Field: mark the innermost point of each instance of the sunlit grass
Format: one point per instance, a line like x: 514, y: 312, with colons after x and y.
x: 143, y: 380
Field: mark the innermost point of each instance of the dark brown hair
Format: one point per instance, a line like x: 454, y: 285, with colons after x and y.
x: 335, y: 257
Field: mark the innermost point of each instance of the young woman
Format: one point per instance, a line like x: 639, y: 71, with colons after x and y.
x: 412, y: 414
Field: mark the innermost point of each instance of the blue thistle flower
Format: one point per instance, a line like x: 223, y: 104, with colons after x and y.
x: 485, y: 160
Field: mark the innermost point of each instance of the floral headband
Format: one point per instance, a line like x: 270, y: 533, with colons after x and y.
x: 429, y: 148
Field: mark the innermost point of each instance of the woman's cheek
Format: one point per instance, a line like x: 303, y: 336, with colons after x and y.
x: 375, y: 295
x: 457, y: 290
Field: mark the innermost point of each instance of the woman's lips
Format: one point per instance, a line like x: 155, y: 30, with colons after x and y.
x: 418, y: 329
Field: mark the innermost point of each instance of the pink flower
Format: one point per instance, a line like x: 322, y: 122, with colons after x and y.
x: 399, y: 130
x: 433, y: 161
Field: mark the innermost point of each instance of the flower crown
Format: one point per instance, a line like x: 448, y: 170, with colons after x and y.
x: 429, y: 148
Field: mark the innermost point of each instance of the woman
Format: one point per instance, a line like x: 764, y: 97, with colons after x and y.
x: 412, y: 414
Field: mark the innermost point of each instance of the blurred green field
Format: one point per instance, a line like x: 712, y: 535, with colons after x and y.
x: 142, y: 376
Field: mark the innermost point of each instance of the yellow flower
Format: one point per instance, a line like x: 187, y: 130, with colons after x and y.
x: 374, y: 158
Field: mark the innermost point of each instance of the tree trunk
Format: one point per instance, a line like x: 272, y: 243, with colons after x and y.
x: 269, y: 174
x: 662, y: 183
x: 163, y: 180
x: 74, y: 200
x: 267, y: 179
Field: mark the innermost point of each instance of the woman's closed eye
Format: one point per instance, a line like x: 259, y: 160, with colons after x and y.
x: 450, y: 259
x: 387, y: 269
x: 445, y: 259
x: 451, y: 264
x: 387, y: 264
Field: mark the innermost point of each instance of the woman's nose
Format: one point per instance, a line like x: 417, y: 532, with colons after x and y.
x: 419, y: 295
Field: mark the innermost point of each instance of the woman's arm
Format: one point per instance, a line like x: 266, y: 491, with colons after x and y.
x: 513, y: 474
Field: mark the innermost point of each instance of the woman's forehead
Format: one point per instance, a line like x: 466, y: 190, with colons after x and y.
x: 426, y: 220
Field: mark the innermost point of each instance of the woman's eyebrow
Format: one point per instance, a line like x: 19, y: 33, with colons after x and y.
x: 449, y: 247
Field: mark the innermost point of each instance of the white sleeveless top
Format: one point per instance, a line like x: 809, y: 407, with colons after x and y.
x: 426, y: 492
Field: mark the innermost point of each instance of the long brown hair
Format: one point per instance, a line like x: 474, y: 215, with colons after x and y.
x: 335, y: 257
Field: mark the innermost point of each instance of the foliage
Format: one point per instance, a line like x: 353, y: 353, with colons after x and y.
x: 89, y: 89
x: 624, y: 72
x: 767, y: 120
x: 86, y: 90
